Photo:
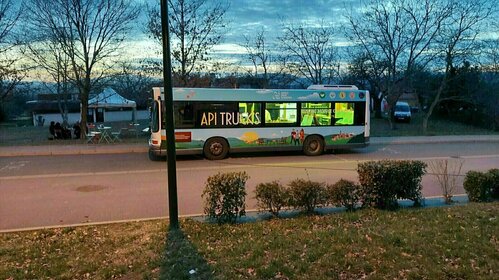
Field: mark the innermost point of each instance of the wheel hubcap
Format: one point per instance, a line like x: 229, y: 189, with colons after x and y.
x: 216, y: 148
x: 314, y: 145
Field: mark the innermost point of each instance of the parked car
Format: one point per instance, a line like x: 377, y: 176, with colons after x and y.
x: 402, y: 112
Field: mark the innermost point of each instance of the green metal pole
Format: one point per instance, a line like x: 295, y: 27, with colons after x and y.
x: 170, y: 133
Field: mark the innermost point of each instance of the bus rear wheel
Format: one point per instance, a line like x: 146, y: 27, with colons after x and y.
x: 216, y: 148
x: 313, y: 146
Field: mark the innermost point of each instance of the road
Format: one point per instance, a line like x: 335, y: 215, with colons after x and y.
x: 44, y: 191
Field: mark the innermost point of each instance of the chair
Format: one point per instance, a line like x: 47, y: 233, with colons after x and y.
x: 91, y: 138
x: 116, y: 135
x: 133, y: 129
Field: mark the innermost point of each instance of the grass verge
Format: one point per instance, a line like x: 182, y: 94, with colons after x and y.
x: 458, y: 242
x: 29, y: 135
x: 436, y: 127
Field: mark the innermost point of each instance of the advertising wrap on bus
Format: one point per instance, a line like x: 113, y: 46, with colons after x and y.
x: 215, y: 122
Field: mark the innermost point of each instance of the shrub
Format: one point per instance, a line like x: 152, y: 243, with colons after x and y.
x: 447, y: 173
x: 494, y: 182
x: 481, y: 186
x: 224, y: 196
x: 343, y: 193
x: 383, y: 182
x: 306, y: 195
x: 271, y: 197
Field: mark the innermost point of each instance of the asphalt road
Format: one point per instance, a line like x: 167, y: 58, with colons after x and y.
x: 44, y: 191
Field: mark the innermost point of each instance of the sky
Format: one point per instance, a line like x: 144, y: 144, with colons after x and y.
x: 247, y: 17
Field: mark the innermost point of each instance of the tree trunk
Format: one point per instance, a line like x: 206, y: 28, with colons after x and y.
x: 83, y: 116
x: 434, y: 103
x: 85, y: 91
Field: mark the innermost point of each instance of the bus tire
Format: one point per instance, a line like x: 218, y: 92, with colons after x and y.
x: 313, y: 145
x: 154, y: 157
x: 216, y: 148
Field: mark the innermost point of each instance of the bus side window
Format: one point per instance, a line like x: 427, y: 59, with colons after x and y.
x: 184, y: 115
x: 344, y: 113
x: 268, y: 117
x: 281, y: 114
x: 250, y: 113
x: 316, y: 114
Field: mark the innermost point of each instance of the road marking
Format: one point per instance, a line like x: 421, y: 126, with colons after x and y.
x: 322, y: 165
x: 389, y: 150
x: 14, y: 165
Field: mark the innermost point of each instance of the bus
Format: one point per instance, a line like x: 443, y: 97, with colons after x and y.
x: 215, y: 122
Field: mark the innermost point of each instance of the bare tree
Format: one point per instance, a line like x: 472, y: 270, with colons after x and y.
x: 457, y: 41
x: 269, y: 68
x: 90, y: 32
x: 367, y: 72
x: 258, y: 54
x: 490, y: 58
x: 401, y: 33
x: 49, y: 55
x: 447, y: 173
x: 195, y: 27
x: 310, y: 52
x: 133, y: 82
x: 10, y: 73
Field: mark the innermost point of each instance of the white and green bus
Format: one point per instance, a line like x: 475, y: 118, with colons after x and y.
x: 214, y: 122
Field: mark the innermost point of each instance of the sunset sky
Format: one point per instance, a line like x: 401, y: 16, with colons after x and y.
x: 247, y: 17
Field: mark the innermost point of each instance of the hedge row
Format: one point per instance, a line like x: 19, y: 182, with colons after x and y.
x: 482, y: 186
x: 382, y: 183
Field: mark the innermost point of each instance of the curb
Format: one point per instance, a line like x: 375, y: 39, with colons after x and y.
x: 70, y: 150
x: 433, y: 140
x: 87, y: 149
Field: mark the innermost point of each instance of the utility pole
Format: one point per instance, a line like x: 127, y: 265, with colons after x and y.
x: 170, y: 126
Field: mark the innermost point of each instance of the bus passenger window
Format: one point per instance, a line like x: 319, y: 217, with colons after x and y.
x: 268, y: 117
x: 250, y: 114
x: 315, y: 114
x: 343, y: 113
x: 281, y: 113
x: 183, y: 114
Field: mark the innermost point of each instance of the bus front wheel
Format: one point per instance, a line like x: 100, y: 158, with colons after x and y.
x: 313, y: 146
x: 216, y: 148
x: 154, y: 157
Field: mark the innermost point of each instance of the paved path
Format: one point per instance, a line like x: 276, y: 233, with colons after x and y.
x: 47, y: 150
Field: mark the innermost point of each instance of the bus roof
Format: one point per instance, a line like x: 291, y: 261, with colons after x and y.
x: 267, y: 95
x: 344, y: 87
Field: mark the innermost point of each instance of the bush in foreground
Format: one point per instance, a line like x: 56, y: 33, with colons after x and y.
x: 271, y: 197
x: 482, y: 186
x: 475, y: 186
x: 343, y: 193
x: 224, y: 196
x: 306, y: 194
x: 494, y: 182
x: 383, y: 182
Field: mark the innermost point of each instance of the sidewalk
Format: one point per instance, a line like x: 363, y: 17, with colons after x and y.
x: 434, y: 139
x: 74, y: 149
x: 87, y: 149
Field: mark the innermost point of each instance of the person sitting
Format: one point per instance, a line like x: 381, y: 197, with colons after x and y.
x: 66, y: 133
x: 58, y: 131
x: 77, y: 130
x: 52, y: 130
